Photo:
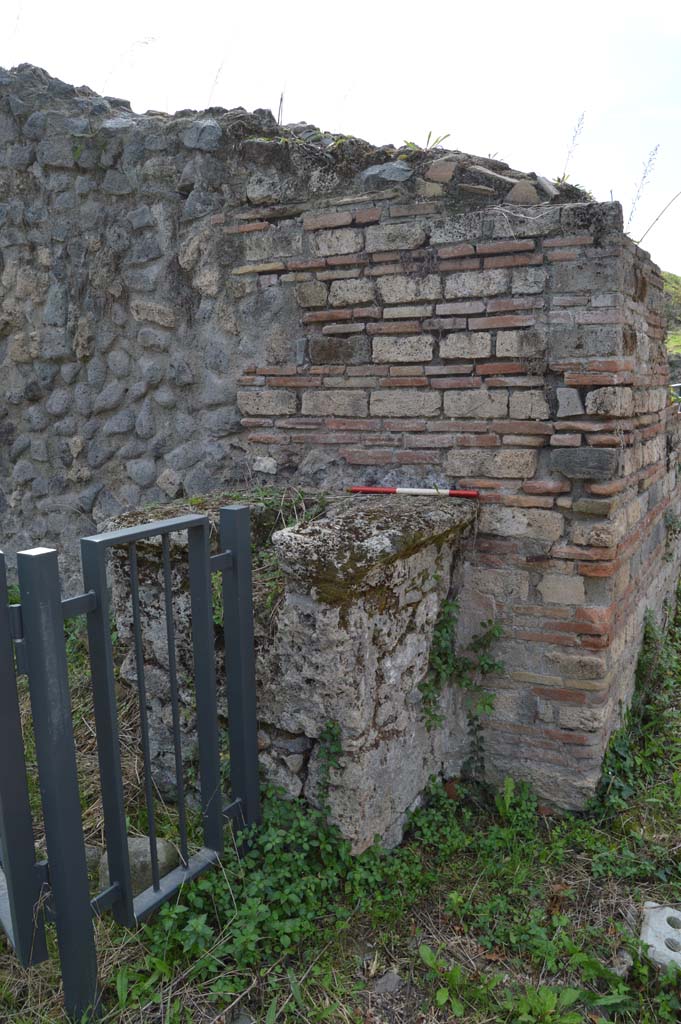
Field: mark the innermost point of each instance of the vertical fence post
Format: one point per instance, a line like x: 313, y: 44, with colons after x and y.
x: 93, y: 558
x: 55, y: 751
x: 17, y: 845
x: 203, y: 642
x: 235, y: 536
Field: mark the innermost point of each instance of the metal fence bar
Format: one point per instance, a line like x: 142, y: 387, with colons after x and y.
x: 203, y: 643
x: 174, y: 699
x: 93, y: 558
x: 132, y: 534
x: 55, y: 751
x: 20, y: 885
x: 144, y: 720
x: 237, y: 596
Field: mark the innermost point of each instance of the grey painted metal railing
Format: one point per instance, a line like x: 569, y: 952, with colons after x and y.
x: 32, y: 638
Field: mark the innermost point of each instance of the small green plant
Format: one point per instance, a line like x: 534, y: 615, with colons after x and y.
x: 672, y: 523
x: 456, y: 988
x: 643, y: 182
x: 449, y: 668
x: 431, y: 143
x: 636, y: 748
x: 330, y: 750
x: 545, y: 1005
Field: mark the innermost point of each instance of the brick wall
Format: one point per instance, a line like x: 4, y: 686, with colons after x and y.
x: 521, y: 353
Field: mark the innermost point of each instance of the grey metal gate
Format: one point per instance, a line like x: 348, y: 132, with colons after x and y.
x: 32, y: 635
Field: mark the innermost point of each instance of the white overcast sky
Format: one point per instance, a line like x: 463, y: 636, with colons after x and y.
x: 502, y: 77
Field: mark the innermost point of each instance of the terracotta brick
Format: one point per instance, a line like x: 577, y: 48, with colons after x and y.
x: 444, y: 323
x: 582, y: 628
x: 513, y: 382
x: 347, y: 260
x: 592, y: 426
x: 477, y: 483
x: 454, y: 251
x: 406, y: 424
x: 412, y: 458
x: 351, y: 424
x: 442, y: 371
x: 385, y: 257
x: 606, y: 489
x: 371, y: 215
x: 583, y: 554
x: 460, y: 308
x: 307, y: 264
x: 546, y: 486
x: 324, y: 369
x: 491, y: 323
x: 410, y: 370
x: 492, y: 262
x: 597, y: 365
x: 259, y: 268
x: 407, y: 312
x: 577, y: 380
x: 607, y: 440
x: 325, y: 437
x: 566, y: 440
x: 526, y: 501
x: 366, y: 368
x: 300, y: 423
x: 508, y: 305
x: 510, y: 245
x: 601, y: 616
x: 404, y: 382
x: 522, y: 427
x: 524, y: 440
x: 295, y: 382
x: 395, y: 327
x: 484, y: 369
x: 345, y: 328
x: 454, y: 383
x: 243, y: 229
x: 326, y: 315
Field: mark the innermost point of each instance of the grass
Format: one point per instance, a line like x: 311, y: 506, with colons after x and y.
x: 488, y: 911
x: 674, y: 342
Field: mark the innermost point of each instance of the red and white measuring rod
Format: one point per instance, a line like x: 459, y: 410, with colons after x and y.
x: 414, y: 490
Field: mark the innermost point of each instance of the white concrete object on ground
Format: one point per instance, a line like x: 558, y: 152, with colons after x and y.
x: 661, y: 932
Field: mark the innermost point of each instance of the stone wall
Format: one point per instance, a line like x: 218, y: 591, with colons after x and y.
x: 147, y: 261
x: 196, y: 299
x: 347, y: 643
